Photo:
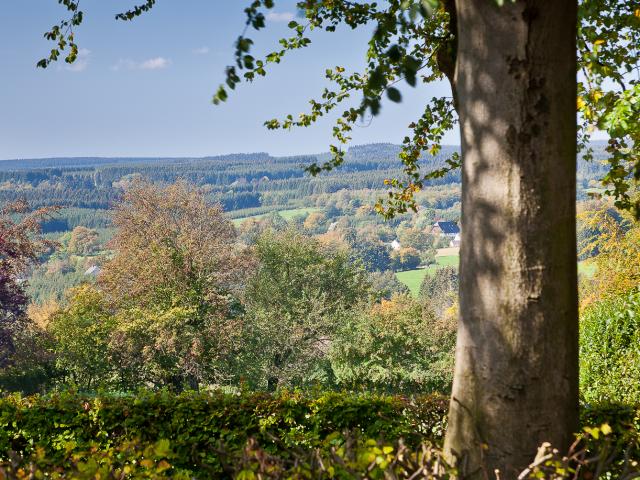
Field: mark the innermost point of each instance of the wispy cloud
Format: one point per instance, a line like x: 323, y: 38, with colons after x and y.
x: 82, y: 61
x: 280, y: 17
x: 156, y: 63
x: 201, y: 50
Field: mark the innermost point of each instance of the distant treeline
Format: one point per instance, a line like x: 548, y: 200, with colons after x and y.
x: 239, y: 181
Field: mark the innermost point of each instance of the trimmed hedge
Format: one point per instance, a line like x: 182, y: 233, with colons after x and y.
x: 199, y: 425
x: 217, y: 435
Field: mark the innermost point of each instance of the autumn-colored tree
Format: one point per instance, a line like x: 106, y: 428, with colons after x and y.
x: 20, y: 247
x: 83, y: 241
x: 41, y: 314
x: 617, y: 242
x: 415, y: 238
x: 175, y: 282
x: 172, y: 239
x: 315, y: 222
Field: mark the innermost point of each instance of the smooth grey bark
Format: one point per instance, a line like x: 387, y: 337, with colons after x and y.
x: 516, y: 377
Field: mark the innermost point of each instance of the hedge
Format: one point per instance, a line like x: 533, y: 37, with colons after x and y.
x: 198, y: 426
x: 200, y: 435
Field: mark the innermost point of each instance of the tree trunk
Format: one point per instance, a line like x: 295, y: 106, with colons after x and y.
x: 516, y: 376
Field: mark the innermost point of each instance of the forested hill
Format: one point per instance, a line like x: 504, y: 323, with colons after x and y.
x: 94, y: 162
x: 238, y: 181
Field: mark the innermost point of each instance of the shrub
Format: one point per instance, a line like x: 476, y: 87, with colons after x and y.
x: 610, y: 350
x: 199, y: 425
x: 396, y: 346
x: 594, y: 455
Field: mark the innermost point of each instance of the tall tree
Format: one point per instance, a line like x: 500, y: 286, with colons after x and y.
x: 515, y: 382
x: 299, y: 297
x: 174, y: 282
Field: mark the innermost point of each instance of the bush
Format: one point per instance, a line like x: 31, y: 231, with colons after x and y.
x: 396, y: 346
x: 610, y: 350
x: 248, y: 436
x: 600, y: 452
x: 199, y: 426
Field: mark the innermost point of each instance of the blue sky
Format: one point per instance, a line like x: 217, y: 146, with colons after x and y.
x: 143, y: 88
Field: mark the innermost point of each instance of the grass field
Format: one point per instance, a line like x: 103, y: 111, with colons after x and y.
x: 587, y: 268
x: 413, y: 278
x: 286, y: 214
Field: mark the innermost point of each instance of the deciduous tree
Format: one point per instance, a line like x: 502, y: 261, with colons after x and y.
x: 299, y: 297
x: 20, y: 246
x: 175, y: 282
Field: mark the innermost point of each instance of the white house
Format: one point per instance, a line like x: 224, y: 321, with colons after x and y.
x: 93, y: 271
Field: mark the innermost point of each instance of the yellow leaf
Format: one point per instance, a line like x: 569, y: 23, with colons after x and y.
x: 637, y: 12
x: 147, y: 463
x: 598, y: 42
x: 606, y: 429
x: 246, y: 475
x: 581, y: 103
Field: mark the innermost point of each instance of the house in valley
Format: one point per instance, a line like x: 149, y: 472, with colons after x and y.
x: 449, y: 230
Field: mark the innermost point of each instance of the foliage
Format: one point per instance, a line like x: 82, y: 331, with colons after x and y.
x: 610, y: 350
x: 373, y: 254
x: 296, y: 301
x: 405, y: 258
x: 83, y: 241
x: 440, y: 290
x: 81, y: 333
x: 608, y: 93
x: 415, y: 238
x: 174, y: 284
x: 20, y: 246
x: 385, y: 285
x: 192, y: 435
x: 618, y: 259
x: 128, y: 460
x: 396, y: 346
x: 196, y: 427
x: 171, y: 241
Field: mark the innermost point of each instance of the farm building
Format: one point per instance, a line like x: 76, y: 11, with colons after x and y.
x: 450, y: 230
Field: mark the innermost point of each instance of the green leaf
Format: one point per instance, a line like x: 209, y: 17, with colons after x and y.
x: 394, y: 94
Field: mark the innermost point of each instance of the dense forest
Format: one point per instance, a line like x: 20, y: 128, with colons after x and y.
x: 239, y: 182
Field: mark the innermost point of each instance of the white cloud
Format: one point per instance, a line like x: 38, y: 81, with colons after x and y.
x: 82, y: 61
x: 280, y: 17
x: 156, y: 63
x: 201, y: 50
